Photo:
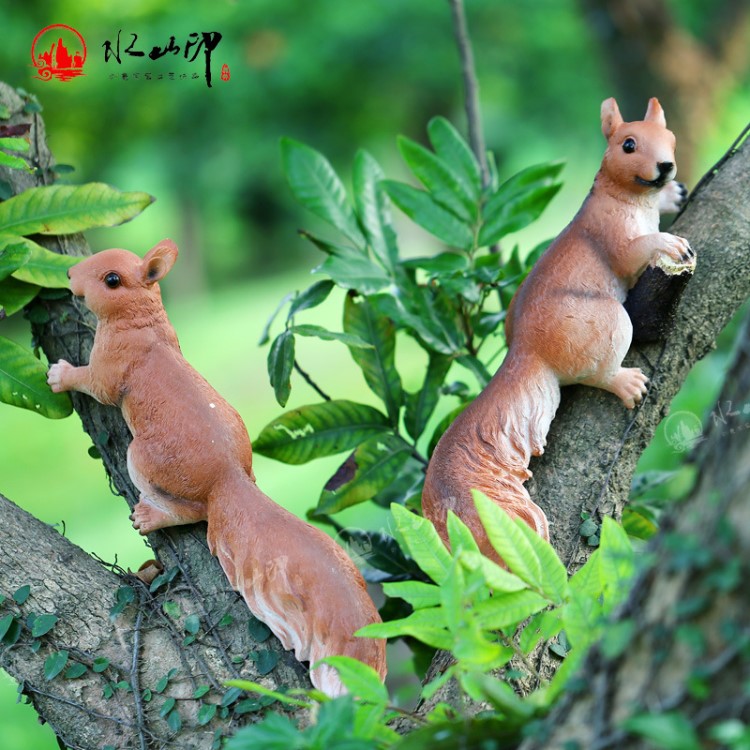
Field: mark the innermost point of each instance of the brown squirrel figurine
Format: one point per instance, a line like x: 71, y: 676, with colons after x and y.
x: 566, y: 324
x: 191, y: 460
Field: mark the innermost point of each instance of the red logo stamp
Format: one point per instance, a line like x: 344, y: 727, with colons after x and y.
x: 225, y: 76
x: 58, y: 51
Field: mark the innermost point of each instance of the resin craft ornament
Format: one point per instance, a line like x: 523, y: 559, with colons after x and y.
x: 566, y: 324
x: 191, y: 460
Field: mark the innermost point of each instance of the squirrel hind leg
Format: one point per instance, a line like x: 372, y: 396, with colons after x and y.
x: 629, y: 384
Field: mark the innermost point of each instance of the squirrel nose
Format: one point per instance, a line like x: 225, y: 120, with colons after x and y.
x: 665, y: 166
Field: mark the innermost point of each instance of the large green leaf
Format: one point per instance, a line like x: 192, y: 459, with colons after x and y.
x: 23, y: 382
x: 374, y: 465
x: 554, y: 581
x: 64, y: 209
x: 15, y: 295
x: 416, y: 593
x: 311, y: 297
x: 420, y: 405
x: 423, y: 543
x: 374, y: 209
x: 424, y: 624
x: 453, y: 149
x: 318, y: 188
x: 616, y: 563
x: 43, y: 267
x: 515, y: 214
x: 319, y: 430
x: 12, y: 257
x: 355, y: 272
x: 538, y: 175
x: 280, y: 365
x: 361, y: 680
x: 377, y: 363
x: 440, y: 179
x: 318, y: 332
x: 422, y: 208
x: 508, y: 609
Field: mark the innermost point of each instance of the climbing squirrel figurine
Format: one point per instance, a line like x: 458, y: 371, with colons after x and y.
x: 566, y: 324
x: 191, y: 460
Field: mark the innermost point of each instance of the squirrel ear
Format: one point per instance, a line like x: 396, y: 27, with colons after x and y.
x: 158, y: 261
x: 611, y: 117
x: 655, y: 113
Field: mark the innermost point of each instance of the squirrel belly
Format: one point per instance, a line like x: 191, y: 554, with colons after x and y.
x: 566, y: 324
x: 299, y: 582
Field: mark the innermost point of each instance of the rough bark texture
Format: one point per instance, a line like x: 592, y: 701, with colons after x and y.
x: 220, y: 652
x: 594, y: 443
x: 689, y: 613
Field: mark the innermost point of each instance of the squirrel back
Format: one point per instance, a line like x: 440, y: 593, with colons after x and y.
x: 191, y: 460
x: 566, y: 324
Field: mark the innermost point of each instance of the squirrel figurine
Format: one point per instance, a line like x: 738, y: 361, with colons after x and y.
x: 566, y: 324
x: 191, y: 460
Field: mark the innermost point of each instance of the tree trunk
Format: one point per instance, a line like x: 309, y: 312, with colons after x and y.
x: 147, y: 640
x: 689, y: 614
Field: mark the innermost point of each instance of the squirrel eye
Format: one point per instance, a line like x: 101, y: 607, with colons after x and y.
x: 628, y: 145
x: 112, y: 280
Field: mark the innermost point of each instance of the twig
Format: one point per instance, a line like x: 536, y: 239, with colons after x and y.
x: 311, y: 382
x: 471, y: 88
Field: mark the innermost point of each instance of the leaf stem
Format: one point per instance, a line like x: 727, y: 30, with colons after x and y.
x: 311, y: 382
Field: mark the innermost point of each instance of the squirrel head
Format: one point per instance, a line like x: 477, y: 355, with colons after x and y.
x: 114, y: 282
x: 640, y: 155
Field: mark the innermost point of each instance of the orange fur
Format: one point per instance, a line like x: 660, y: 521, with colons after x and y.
x: 191, y: 460
x: 565, y: 325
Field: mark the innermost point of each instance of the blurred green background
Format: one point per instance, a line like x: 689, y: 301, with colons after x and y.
x: 337, y: 76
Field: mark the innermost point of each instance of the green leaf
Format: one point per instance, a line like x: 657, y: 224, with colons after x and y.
x: 460, y: 537
x: 361, y: 680
x: 200, y: 691
x: 616, y: 563
x: 497, y: 578
x: 255, y: 687
x: 424, y: 624
x: 416, y: 593
x: 275, y: 732
x: 509, y: 541
x: 443, y: 425
x: 206, y: 712
x: 22, y: 594
x: 453, y: 149
x: 311, y: 297
x: 355, y: 272
x: 65, y: 209
x: 54, y: 664
x: 280, y: 365
x: 538, y: 175
x: 12, y: 257
x: 167, y: 706
x: 267, y: 661
x: 515, y: 214
x: 13, y: 162
x: 423, y: 543
x: 378, y: 363
x: 423, y: 209
x: 587, y: 580
x: 381, y: 552
x: 42, y: 625
x: 14, y: 144
x: 508, y: 609
x: 325, y: 335
x: 554, y: 582
x: 192, y: 624
x: 637, y: 523
x: 43, y: 267
x: 5, y: 623
x: 318, y: 188
x: 267, y: 327
x: 476, y: 368
x: 374, y: 209
x: 671, y: 731
x: 541, y: 627
x: 74, y: 671
x: 23, y: 383
x: 15, y: 295
x: 438, y: 177
x: 174, y: 721
x: 439, y: 265
x: 582, y: 619
x: 319, y: 430
x: 100, y: 664
x: 421, y: 405
x: 374, y: 465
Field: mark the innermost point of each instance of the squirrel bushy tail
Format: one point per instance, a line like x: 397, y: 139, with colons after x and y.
x: 489, y: 445
x: 303, y: 587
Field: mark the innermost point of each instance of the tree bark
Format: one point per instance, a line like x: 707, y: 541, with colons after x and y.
x: 229, y: 644
x: 689, y: 612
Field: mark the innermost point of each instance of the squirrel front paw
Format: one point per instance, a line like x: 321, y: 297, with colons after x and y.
x: 56, y: 376
x: 677, y: 248
x: 672, y: 197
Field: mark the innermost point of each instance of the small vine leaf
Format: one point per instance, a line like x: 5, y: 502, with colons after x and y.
x: 21, y: 594
x: 54, y: 664
x: 42, y: 625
